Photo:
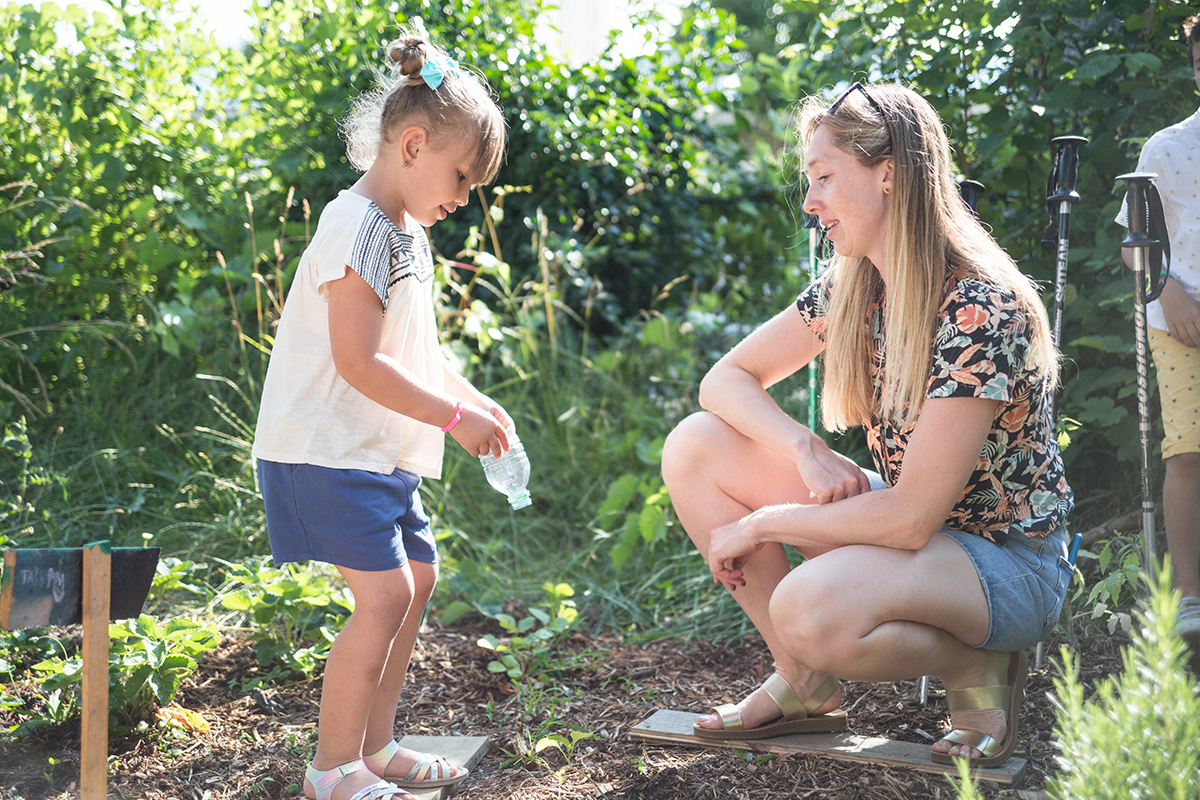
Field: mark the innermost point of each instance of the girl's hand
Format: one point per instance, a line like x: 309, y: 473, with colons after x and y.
x: 481, y: 432
x: 498, y: 413
x: 829, y: 476
x: 1182, y: 313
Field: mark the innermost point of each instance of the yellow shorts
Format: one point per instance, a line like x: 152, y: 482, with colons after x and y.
x: 1178, y: 370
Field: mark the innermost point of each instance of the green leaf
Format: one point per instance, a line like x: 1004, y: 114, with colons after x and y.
x: 1098, y: 66
x: 455, y: 611
x: 620, y: 494
x: 652, y: 523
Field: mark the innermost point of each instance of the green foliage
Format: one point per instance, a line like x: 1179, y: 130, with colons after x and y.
x: 967, y: 787
x: 1135, y: 737
x: 148, y: 660
x: 294, y: 612
x: 24, y: 478
x: 563, y: 743
x: 173, y: 577
x: 1120, y: 583
x: 108, y: 123
x: 531, y: 649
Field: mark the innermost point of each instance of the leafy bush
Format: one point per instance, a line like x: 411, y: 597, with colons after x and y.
x: 531, y: 647
x: 294, y: 612
x: 1135, y: 737
x: 148, y: 661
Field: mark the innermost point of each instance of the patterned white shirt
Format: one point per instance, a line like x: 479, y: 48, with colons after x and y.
x: 1174, y: 155
x: 309, y: 413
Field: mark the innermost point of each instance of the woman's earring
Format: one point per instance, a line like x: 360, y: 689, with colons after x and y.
x: 406, y: 163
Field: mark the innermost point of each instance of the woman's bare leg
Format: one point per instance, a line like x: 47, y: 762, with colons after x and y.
x: 716, y: 475
x: 861, y: 613
x: 880, y: 614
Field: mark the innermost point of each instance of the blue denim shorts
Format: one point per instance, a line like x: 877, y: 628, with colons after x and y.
x: 1025, y: 582
x: 352, y: 518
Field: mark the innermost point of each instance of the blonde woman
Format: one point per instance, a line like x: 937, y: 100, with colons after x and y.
x: 951, y: 561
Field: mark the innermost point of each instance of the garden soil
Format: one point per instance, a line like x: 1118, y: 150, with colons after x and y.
x: 258, y: 740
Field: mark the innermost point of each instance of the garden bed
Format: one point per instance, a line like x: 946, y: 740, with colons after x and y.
x: 258, y: 739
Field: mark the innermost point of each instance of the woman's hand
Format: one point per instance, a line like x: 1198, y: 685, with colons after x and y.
x: 829, y: 476
x: 728, y: 549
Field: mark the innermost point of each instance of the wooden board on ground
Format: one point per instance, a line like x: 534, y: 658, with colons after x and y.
x: 675, y: 727
x: 461, y: 751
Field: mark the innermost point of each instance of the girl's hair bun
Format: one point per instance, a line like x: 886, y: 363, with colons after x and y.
x: 408, y: 54
x: 448, y: 102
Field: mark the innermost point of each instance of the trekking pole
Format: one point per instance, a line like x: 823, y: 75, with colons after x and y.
x: 1147, y: 241
x: 1060, y: 190
x: 970, y: 192
x: 813, y: 225
x: 1060, y: 196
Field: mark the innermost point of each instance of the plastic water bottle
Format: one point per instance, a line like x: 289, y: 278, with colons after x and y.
x: 509, y: 474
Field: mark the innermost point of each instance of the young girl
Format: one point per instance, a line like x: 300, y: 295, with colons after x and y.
x: 951, y: 561
x: 356, y: 400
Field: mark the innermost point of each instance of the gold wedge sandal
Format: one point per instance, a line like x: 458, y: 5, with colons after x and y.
x: 1006, y: 697
x: 797, y: 716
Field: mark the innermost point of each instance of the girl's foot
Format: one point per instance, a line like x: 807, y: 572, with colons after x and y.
x: 412, y: 770
x: 352, y: 781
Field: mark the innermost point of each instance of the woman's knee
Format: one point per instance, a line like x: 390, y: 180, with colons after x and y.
x: 689, y: 445
x: 802, y: 612
x: 808, y: 613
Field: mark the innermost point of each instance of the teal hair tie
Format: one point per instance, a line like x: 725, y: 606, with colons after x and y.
x: 437, y: 69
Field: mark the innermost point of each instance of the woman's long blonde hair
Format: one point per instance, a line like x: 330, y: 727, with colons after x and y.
x: 931, y: 232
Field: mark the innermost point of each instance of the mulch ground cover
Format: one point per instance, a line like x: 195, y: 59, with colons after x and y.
x: 259, y: 740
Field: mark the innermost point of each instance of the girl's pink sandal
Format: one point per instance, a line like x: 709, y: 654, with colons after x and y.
x: 429, y: 771
x: 324, y: 782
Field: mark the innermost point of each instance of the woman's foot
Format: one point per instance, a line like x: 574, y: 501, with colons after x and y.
x: 776, y: 708
x: 983, y: 705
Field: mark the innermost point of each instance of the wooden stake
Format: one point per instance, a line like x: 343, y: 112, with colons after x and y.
x: 93, y: 767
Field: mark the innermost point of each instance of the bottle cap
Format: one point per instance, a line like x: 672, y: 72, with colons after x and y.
x: 520, y: 500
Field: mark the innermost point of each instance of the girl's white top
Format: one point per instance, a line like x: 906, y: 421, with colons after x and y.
x: 1174, y: 155
x: 309, y: 414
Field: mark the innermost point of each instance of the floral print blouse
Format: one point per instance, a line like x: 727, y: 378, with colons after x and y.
x: 979, y: 350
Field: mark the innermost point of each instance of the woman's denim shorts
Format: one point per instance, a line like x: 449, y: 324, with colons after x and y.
x: 352, y: 518
x: 1025, y: 582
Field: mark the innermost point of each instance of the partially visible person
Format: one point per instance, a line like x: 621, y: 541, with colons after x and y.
x: 1174, y: 332
x: 358, y: 398
x: 952, y: 561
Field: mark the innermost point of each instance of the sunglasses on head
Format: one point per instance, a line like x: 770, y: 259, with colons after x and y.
x: 858, y: 87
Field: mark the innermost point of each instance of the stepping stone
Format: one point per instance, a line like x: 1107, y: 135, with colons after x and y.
x: 675, y: 727
x: 461, y: 751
